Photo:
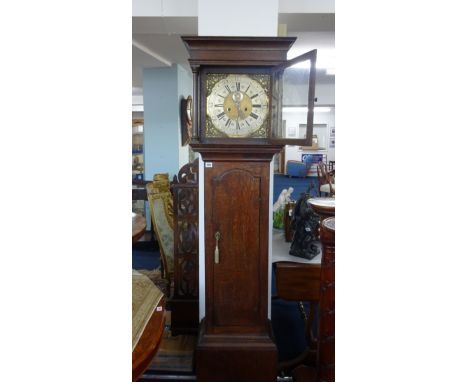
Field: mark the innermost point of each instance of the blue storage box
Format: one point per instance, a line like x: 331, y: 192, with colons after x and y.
x: 297, y: 168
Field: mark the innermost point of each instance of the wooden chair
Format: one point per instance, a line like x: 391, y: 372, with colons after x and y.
x: 161, y: 208
x: 325, y: 179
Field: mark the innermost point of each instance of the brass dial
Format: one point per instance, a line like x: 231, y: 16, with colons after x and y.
x: 238, y: 106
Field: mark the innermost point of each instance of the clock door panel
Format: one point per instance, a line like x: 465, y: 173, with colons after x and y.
x: 293, y: 101
x: 236, y: 286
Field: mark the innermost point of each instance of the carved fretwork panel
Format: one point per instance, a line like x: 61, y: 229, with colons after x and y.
x: 185, y: 299
x: 187, y: 201
x: 187, y: 260
x: 326, y: 349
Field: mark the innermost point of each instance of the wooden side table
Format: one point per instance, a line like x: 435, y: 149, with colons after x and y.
x: 149, y: 342
x: 324, y: 207
x: 324, y: 369
x: 138, y: 227
x: 326, y: 327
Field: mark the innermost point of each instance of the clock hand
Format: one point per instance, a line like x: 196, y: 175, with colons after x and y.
x: 237, y: 98
x: 237, y: 103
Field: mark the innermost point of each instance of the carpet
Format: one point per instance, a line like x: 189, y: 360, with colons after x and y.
x: 155, y: 276
x: 145, y: 258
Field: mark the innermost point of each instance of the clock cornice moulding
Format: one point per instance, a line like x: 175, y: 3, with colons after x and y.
x: 238, y: 51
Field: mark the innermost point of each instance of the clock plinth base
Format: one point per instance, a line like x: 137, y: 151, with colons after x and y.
x: 235, y: 357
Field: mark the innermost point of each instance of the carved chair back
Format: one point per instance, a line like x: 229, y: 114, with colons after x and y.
x: 325, y: 178
x: 161, y: 207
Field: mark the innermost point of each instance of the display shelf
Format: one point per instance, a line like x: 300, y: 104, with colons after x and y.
x: 137, y: 150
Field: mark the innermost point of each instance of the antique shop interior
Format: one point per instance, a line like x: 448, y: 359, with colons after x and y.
x: 194, y: 320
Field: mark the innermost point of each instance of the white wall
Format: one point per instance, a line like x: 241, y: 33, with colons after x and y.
x: 201, y: 238
x: 238, y: 18
x: 307, y: 6
x: 294, y: 119
x: 325, y: 94
x: 159, y: 8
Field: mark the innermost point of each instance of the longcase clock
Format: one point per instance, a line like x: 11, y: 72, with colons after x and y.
x: 246, y: 97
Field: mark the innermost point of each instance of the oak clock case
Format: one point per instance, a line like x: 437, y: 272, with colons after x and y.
x: 241, y: 86
x: 246, y: 105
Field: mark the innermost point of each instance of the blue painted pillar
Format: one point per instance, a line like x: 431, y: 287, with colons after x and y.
x: 162, y: 90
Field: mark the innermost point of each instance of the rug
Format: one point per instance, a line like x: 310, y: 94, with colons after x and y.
x: 155, y: 276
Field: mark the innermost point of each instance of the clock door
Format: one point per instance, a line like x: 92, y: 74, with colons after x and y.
x: 236, y: 202
x: 293, y: 96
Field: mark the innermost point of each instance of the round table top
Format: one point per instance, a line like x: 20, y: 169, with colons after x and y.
x: 138, y: 226
x: 322, y: 202
x: 149, y: 341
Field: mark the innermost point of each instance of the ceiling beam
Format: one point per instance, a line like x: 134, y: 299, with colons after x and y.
x: 306, y: 6
x: 164, y: 8
x: 190, y: 8
x: 151, y: 53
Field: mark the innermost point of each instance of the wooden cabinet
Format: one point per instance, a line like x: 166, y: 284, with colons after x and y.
x: 236, y: 201
x: 235, y: 339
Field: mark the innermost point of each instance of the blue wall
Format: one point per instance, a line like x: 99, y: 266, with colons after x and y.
x: 161, y: 115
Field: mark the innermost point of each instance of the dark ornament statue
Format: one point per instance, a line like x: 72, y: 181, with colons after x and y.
x: 305, y: 223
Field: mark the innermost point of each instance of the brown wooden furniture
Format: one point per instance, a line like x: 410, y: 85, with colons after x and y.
x: 279, y: 162
x: 237, y: 133
x: 324, y: 207
x: 300, y: 282
x: 138, y: 226
x: 313, y: 282
x: 184, y: 302
x: 235, y: 341
x: 139, y: 200
x: 326, y: 181
x: 149, y: 341
x: 304, y: 373
x: 326, y: 329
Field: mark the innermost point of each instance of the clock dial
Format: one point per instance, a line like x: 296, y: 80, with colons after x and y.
x: 238, y: 105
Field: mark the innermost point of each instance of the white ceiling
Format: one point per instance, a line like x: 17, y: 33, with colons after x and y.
x: 157, y: 43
